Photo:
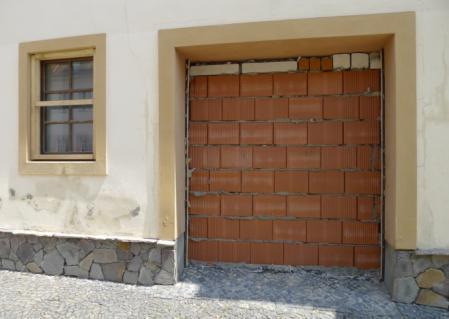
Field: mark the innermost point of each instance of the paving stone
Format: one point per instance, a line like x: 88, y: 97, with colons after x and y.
x: 34, y: 268
x: 135, y: 263
x: 164, y: 278
x: 96, y: 272
x: 405, y: 290
x: 76, y: 271
x: 145, y: 276
x: 53, y: 263
x: 439, y: 261
x: 430, y: 277
x: 87, y: 262
x: 429, y: 298
x: 114, y: 271
x: 130, y: 277
x: 421, y: 263
x: 155, y: 256
x: 8, y: 264
x: 25, y: 253
x: 442, y: 288
x: 104, y: 256
x: 5, y: 247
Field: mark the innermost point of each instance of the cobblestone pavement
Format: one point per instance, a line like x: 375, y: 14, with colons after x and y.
x: 209, y: 292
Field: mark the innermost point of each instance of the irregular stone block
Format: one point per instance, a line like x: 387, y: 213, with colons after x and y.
x: 38, y: 257
x: 96, y: 272
x: 124, y: 254
x: 168, y: 260
x: 8, y: 264
x: 146, y: 276
x: 442, y: 288
x: 445, y: 269
x: 34, y: 268
x: 25, y: 253
x: 164, y: 278
x: 439, y: 261
x: 405, y: 290
x: 155, y: 256
x: 104, y: 256
x: 430, y: 277
x: 5, y: 247
x: 404, y: 266
x: 135, y: 263
x: 53, y: 263
x: 86, y: 245
x: 20, y: 266
x: 421, y: 263
x: 38, y: 246
x: 429, y: 298
x: 16, y: 241
x: 87, y: 262
x: 48, y: 243
x: 114, y: 271
x: 70, y: 252
x: 75, y: 271
x: 135, y: 248
x: 341, y: 61
x: 130, y: 277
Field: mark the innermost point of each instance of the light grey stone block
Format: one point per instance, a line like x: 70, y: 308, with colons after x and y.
x: 375, y: 61
x: 87, y: 262
x: 341, y: 61
x: 124, y: 254
x: 70, y: 252
x: 405, y: 290
x: 421, y: 263
x: 404, y: 267
x: 5, y: 247
x: 442, y: 288
x: 135, y: 248
x: 164, y: 278
x: 53, y: 263
x: 25, y: 253
x: 214, y: 69
x: 155, y: 256
x: 130, y: 277
x: 104, y: 256
x: 269, y: 67
x: 146, y: 276
x: 8, y: 264
x: 135, y: 264
x: 38, y: 257
x: 96, y: 272
x: 168, y: 260
x: 75, y: 271
x: 359, y: 61
x: 114, y: 271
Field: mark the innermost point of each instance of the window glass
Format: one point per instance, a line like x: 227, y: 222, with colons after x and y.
x: 57, y: 77
x: 56, y: 138
x: 82, y: 74
x: 82, y: 138
x: 82, y: 113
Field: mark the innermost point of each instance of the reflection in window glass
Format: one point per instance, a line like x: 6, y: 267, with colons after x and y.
x: 56, y: 138
x: 82, y: 74
x: 57, y: 76
x: 82, y: 138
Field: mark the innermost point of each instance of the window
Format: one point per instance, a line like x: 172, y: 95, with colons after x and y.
x: 62, y: 106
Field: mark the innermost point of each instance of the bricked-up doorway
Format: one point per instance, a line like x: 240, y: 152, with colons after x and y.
x: 286, y: 166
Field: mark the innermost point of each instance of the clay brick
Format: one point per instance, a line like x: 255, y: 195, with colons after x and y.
x: 324, y: 231
x: 325, y: 83
x: 198, y: 133
x: 343, y: 207
x: 236, y: 156
x: 256, y: 85
x: 204, y: 157
x: 205, y: 205
x: 365, y: 208
x: 341, y: 107
x: 234, y: 252
x: 305, y: 108
x: 336, y: 256
x: 304, y: 64
x: 361, y: 81
x: 303, y: 157
x: 256, y: 133
x: 204, y: 250
x: 223, y: 85
x: 290, y: 84
x: 286, y: 133
x: 198, y: 227
x: 360, y: 233
x: 223, y: 228
x: 291, y: 181
x: 326, y: 63
x: 315, y: 64
x: 257, y: 181
x: 227, y: 181
x: 238, y: 109
x: 370, y: 107
x: 326, y: 182
x: 325, y: 133
x: 198, y: 86
x: 363, y: 132
x: 338, y: 157
x: 304, y: 206
x: 199, y: 182
x: 220, y: 133
x: 267, y: 253
x: 294, y: 230
x: 204, y: 110
x: 256, y: 229
x: 367, y: 257
x: 269, y: 157
x: 269, y: 205
x: 362, y: 182
x: 368, y: 157
x: 300, y: 254
x: 271, y: 109
x: 236, y: 205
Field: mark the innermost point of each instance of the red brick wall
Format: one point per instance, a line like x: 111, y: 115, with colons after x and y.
x: 286, y: 168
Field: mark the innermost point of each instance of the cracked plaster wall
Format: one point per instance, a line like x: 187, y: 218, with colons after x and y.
x: 109, y: 205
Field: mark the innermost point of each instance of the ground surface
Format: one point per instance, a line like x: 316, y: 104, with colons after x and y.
x: 208, y: 292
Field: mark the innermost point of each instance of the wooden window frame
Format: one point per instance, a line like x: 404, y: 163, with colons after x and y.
x: 31, y: 160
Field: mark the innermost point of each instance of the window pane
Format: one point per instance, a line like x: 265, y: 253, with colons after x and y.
x: 82, y: 95
x: 82, y: 74
x: 82, y: 113
x: 57, y: 76
x: 56, y: 114
x: 56, y: 138
x: 57, y: 96
x: 82, y: 138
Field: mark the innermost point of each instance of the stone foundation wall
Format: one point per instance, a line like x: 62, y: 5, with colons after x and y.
x: 110, y: 260
x: 421, y: 279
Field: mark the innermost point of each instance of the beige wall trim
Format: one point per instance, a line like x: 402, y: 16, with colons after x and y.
x: 31, y: 163
x: 393, y: 32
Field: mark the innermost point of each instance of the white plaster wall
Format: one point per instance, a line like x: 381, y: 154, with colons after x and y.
x: 104, y: 205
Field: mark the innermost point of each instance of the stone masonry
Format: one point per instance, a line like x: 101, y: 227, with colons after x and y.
x: 420, y: 279
x: 110, y: 260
